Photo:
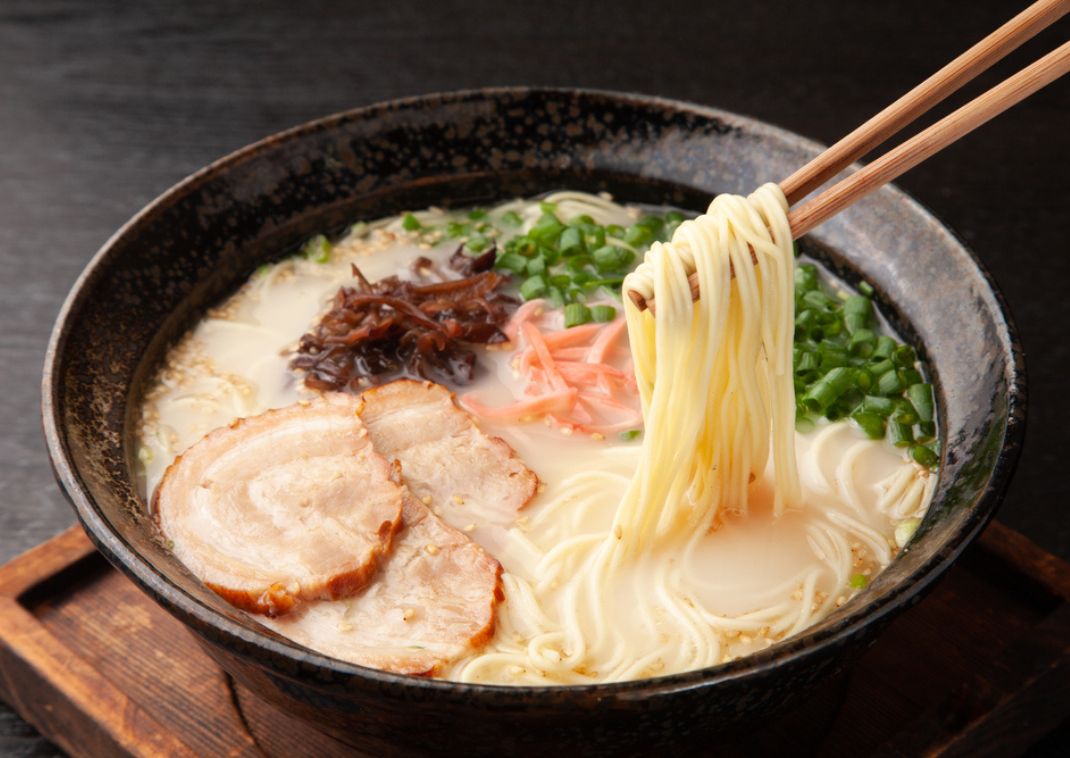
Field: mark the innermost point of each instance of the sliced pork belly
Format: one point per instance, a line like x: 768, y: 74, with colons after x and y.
x: 291, y: 505
x: 446, y: 461
x: 433, y: 600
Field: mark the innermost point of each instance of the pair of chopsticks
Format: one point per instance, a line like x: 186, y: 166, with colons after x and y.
x: 909, y: 107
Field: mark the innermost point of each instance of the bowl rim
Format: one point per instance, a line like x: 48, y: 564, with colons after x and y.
x: 184, y: 605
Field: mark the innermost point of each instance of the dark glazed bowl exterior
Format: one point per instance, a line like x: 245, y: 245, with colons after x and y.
x: 198, y: 242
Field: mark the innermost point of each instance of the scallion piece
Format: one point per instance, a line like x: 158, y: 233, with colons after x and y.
x: 882, y: 406
x: 603, y: 313
x: 511, y: 218
x: 572, y: 242
x: 630, y: 435
x: 546, y: 229
x: 638, y: 234
x: 923, y: 455
x: 870, y: 423
x: 888, y: 384
x: 477, y: 244
x: 410, y: 223
x: 862, y: 342
x: 883, y: 366
x: 921, y: 397
x: 317, y: 249
x: 533, y: 287
x: 904, y: 356
x: 576, y: 314
x: 612, y: 258
x: 825, y: 391
x: 512, y: 262
x: 857, y: 311
x: 902, y: 435
x: 885, y: 347
x: 805, y: 278
x: 858, y: 581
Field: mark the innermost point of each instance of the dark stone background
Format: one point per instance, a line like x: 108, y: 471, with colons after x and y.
x: 103, y: 105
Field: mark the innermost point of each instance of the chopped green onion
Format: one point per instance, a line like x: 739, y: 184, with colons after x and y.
x: 889, y: 384
x: 595, y: 238
x: 902, y: 435
x: 547, y: 229
x: 909, y: 376
x: 603, y: 313
x: 861, y: 342
x: 858, y: 581
x: 885, y: 347
x: 882, y: 366
x: 904, y: 356
x: 317, y: 249
x: 856, y: 313
x: 611, y: 258
x: 818, y: 299
x: 511, y: 218
x: 572, y: 242
x: 923, y: 455
x: 533, y: 287
x: 870, y: 423
x: 512, y: 262
x: 477, y: 214
x: 576, y: 314
x: 825, y: 391
x: 638, y: 234
x: 630, y: 435
x: 410, y: 223
x: 905, y: 530
x: 866, y: 289
x: 805, y: 278
x: 882, y: 406
x: 477, y: 244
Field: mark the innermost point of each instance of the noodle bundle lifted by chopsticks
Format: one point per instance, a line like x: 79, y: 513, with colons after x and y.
x: 715, y: 375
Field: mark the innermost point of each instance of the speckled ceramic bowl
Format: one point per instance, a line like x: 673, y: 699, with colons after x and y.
x: 199, y: 241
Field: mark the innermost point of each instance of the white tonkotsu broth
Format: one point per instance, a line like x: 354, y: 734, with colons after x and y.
x: 688, y: 601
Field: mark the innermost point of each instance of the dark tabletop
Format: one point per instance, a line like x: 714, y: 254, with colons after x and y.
x: 104, y: 105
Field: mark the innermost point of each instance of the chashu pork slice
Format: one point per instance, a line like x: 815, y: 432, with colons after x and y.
x: 288, y: 506
x: 433, y: 601
x: 447, y: 462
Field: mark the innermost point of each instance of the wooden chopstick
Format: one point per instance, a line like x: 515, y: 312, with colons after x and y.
x: 921, y: 146
x: 932, y: 140
x: 921, y: 98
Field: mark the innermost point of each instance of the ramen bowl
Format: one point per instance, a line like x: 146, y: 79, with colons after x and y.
x: 200, y: 240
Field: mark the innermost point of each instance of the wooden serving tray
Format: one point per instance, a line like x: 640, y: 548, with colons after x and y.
x: 981, y: 665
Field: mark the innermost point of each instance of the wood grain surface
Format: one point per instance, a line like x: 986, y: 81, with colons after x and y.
x: 105, y: 672
x: 103, y: 105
